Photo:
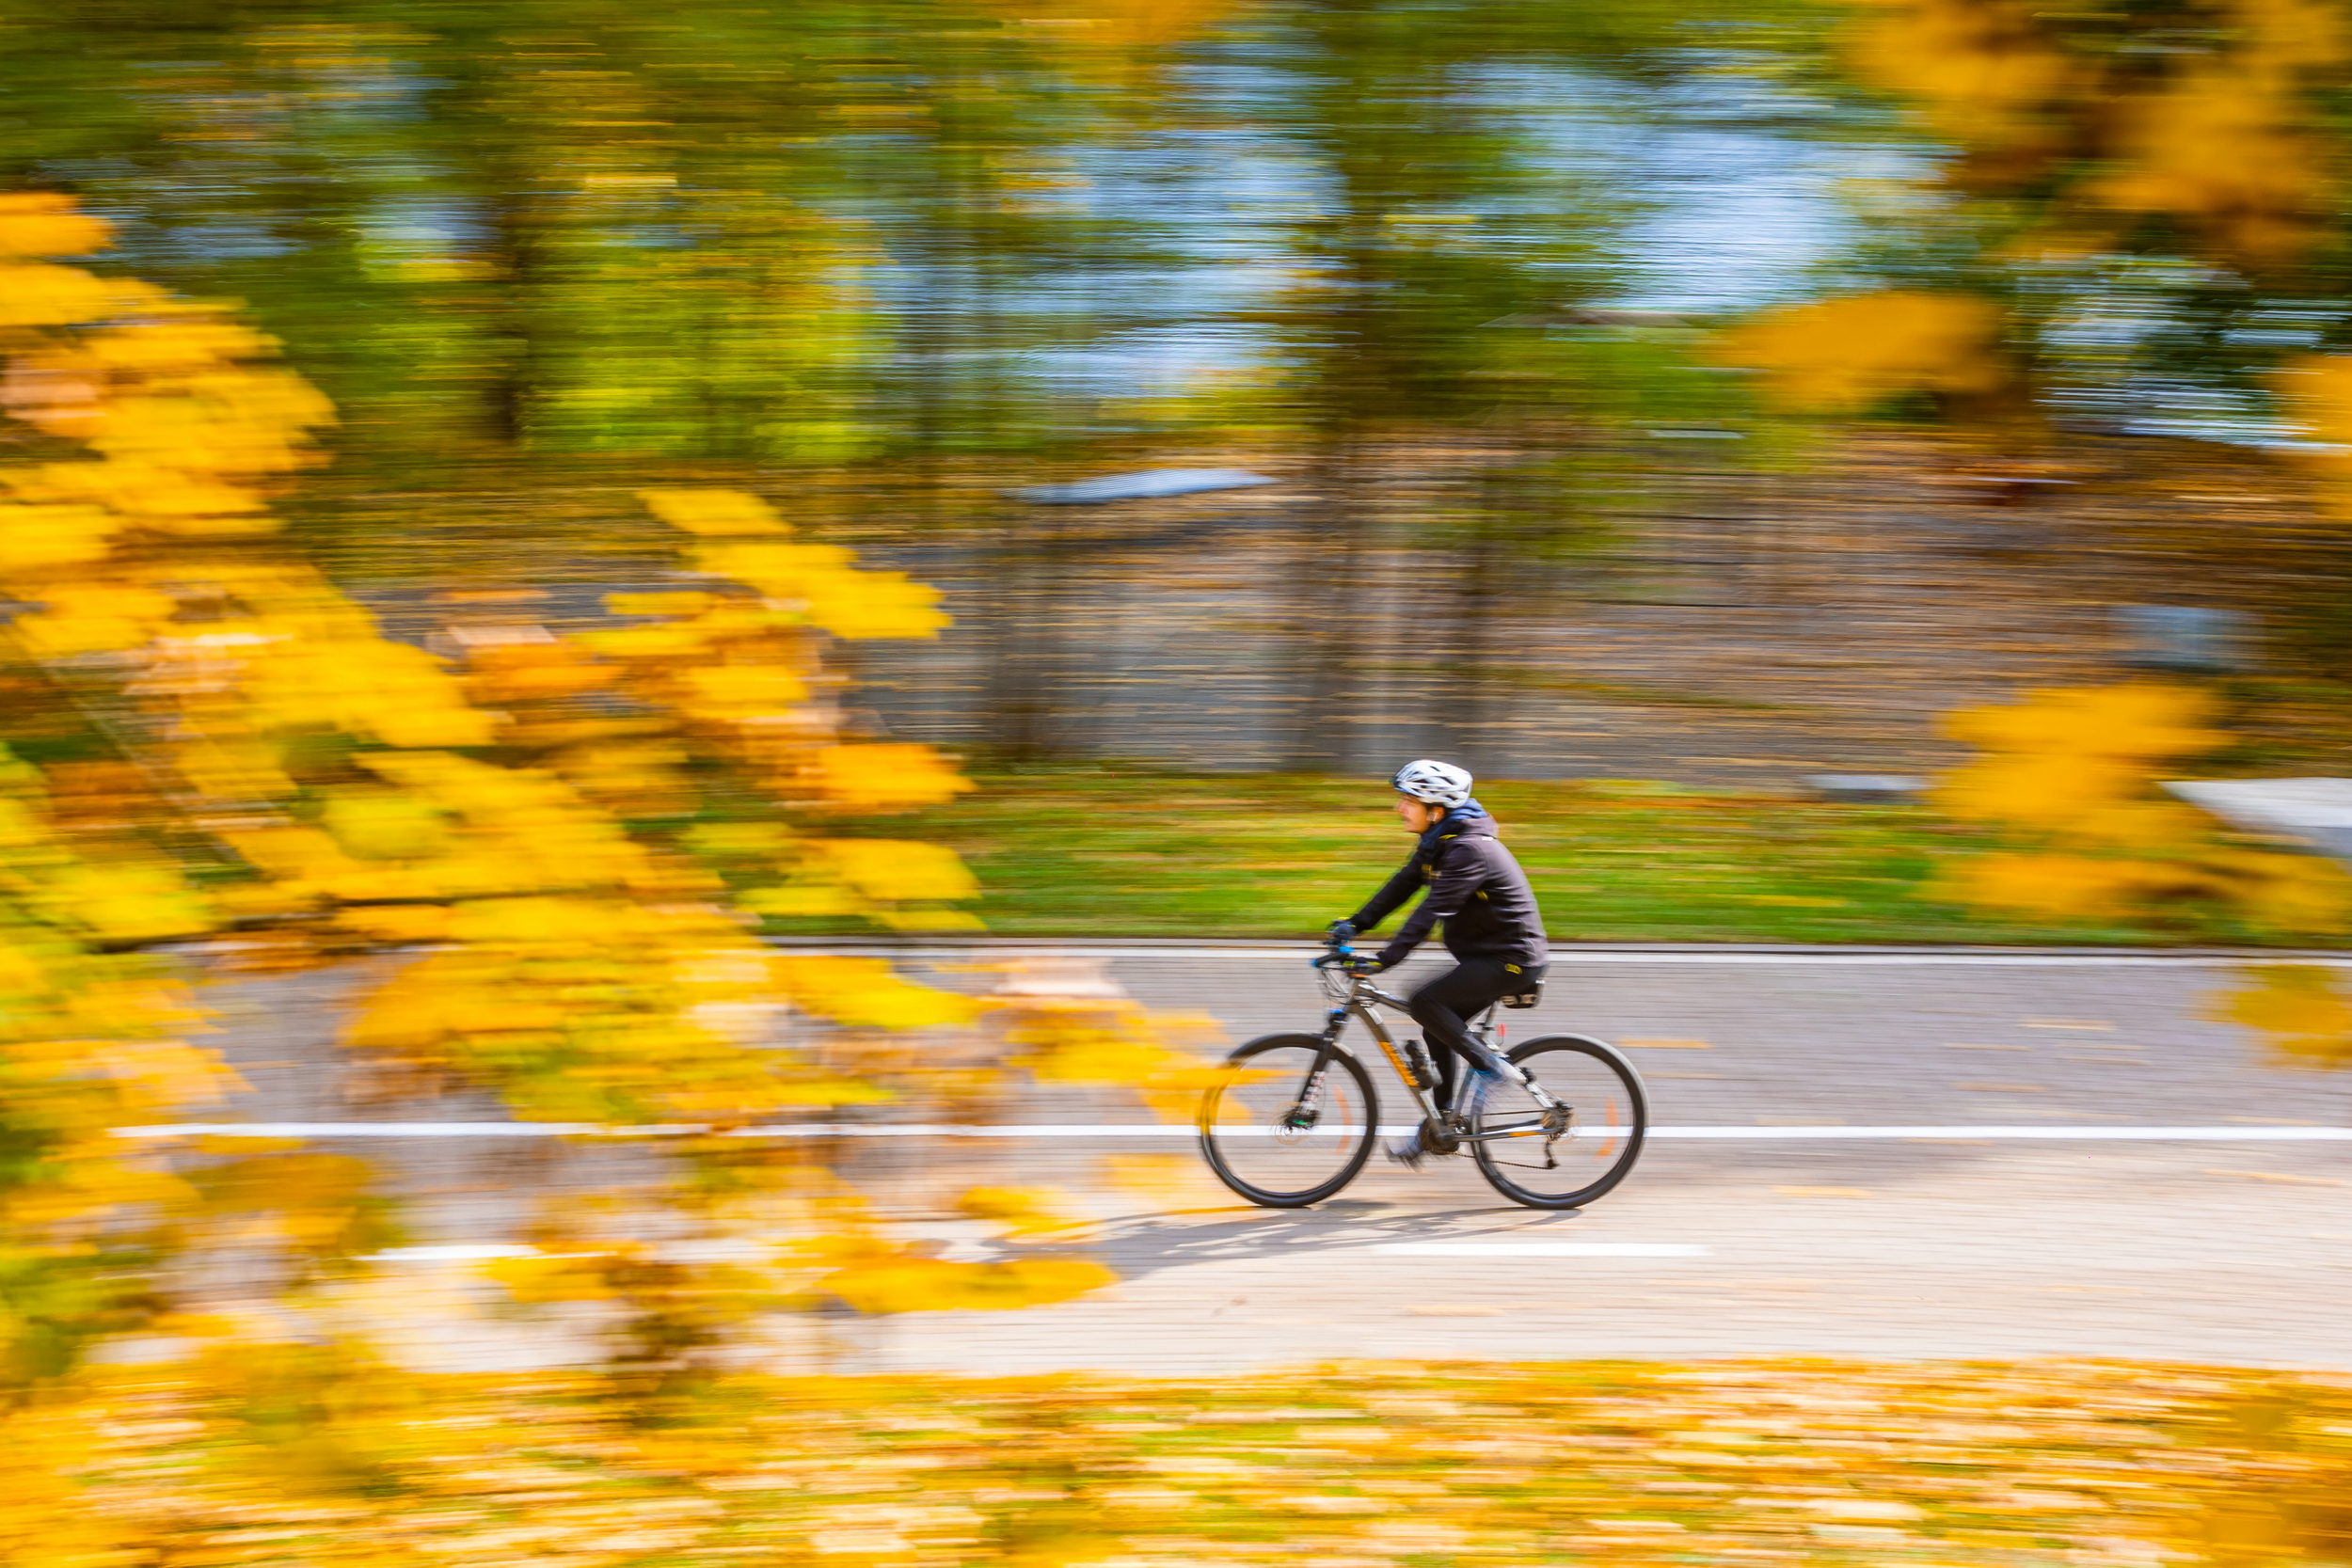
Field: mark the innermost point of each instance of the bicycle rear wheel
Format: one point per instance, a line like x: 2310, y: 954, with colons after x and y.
x: 1559, y: 1161
x: 1276, y: 1138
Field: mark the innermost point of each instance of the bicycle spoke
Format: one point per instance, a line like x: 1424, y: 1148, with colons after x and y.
x: 1276, y: 1133
x: 1575, y: 1149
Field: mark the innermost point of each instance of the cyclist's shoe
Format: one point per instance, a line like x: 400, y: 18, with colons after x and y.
x: 1409, y: 1150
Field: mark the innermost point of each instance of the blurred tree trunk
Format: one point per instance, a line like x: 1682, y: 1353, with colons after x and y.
x: 1023, y: 683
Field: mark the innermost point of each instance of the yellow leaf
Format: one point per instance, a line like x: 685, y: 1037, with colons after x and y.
x: 1024, y: 1210
x: 38, y: 536
x: 798, y: 903
x: 376, y: 824
x: 860, y: 605
x: 397, y: 923
x: 712, y: 512
x: 2296, y: 1009
x: 1841, y: 355
x: 2067, y: 886
x: 926, y: 917
x: 43, y: 222
x: 540, y: 1279
x: 892, y: 869
x: 36, y: 294
x: 933, y: 1285
x: 781, y: 571
x: 538, y: 921
x: 886, y: 777
x: 131, y: 901
x: 732, y: 690
x: 865, y: 993
x: 663, y: 640
x: 657, y: 604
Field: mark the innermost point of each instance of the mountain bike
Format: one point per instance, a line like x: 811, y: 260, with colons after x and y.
x: 1292, y: 1118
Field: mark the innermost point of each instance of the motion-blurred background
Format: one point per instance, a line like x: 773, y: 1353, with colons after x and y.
x: 569, y: 570
x: 1708, y: 397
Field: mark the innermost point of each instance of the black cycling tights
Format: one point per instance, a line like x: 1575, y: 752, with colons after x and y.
x: 1445, y: 1006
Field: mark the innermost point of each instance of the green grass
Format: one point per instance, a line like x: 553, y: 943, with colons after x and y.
x: 1108, y: 852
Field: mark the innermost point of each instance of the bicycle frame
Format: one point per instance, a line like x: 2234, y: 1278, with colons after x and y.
x: 1363, y: 1001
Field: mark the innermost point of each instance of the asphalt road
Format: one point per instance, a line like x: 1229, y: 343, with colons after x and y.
x: 2111, y: 1172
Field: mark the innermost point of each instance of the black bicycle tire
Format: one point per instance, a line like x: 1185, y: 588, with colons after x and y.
x: 1611, y: 1057
x: 1342, y: 1059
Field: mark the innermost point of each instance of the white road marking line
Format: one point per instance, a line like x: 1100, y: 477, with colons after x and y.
x: 1300, y: 953
x: 2107, y: 1133
x: 1544, y: 1249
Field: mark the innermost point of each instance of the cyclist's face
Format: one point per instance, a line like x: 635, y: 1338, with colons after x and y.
x: 1416, y: 815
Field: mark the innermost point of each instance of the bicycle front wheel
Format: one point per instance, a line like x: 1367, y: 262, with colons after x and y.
x: 1567, y: 1157
x: 1280, y: 1134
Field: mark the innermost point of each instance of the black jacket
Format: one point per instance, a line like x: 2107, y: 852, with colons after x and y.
x: 1475, y: 887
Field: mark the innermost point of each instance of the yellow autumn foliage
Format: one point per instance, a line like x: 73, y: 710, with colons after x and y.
x: 742, y: 691
x: 2299, y: 1010
x: 897, y: 870
x: 44, y: 223
x: 1981, y: 71
x: 2057, y: 886
x: 2139, y: 721
x: 2315, y: 391
x: 2216, y: 142
x: 865, y: 993
x: 1843, y: 356
x: 1022, y: 1211
x: 1086, y: 26
x: 884, y: 777
x: 33, y: 537
x: 577, y: 967
x: 2074, y: 771
x: 2225, y: 150
x: 873, y: 605
x: 712, y: 512
x: 934, y: 1284
x: 38, y: 293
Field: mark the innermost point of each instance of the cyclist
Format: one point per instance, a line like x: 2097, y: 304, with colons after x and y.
x: 1491, y: 927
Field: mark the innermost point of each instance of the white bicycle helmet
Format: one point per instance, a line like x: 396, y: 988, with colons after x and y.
x: 1439, y: 783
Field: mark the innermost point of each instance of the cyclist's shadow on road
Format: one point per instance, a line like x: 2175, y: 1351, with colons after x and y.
x: 1141, y: 1244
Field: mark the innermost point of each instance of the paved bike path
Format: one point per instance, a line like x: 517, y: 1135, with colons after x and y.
x: 1806, y: 1239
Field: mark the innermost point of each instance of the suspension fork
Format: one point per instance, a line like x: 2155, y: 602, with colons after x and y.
x: 1310, y: 1103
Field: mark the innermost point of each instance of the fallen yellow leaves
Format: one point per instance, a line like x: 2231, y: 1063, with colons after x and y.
x: 226, y: 1463
x: 934, y: 1284
x: 2297, y: 1010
